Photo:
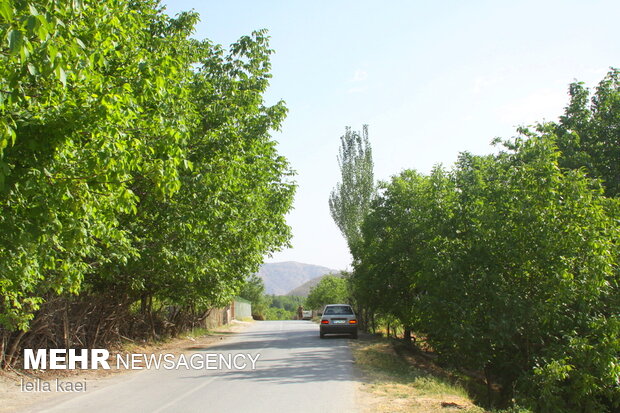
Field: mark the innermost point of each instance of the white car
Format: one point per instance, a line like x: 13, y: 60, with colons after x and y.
x: 338, y: 319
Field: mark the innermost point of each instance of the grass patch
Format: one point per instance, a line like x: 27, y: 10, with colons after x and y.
x: 393, y: 383
x: 198, y: 332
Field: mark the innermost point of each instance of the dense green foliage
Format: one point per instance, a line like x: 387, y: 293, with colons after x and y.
x: 399, y: 241
x: 277, y: 313
x: 350, y: 200
x: 286, y: 302
x: 254, y: 291
x: 283, y: 307
x: 508, y: 263
x: 588, y: 132
x: 134, y: 160
x: 330, y: 290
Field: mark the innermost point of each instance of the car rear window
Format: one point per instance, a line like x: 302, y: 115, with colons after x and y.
x: 338, y: 309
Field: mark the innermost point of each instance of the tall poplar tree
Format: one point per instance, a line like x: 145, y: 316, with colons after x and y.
x: 350, y: 200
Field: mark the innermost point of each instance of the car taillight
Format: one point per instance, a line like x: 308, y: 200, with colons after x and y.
x: 352, y: 321
x: 324, y: 321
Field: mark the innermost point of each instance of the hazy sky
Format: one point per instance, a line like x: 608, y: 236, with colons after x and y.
x: 431, y: 79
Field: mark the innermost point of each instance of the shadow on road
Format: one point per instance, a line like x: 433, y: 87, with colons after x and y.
x: 306, y: 357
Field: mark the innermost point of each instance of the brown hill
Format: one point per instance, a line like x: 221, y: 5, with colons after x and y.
x: 304, y: 289
x: 282, y: 277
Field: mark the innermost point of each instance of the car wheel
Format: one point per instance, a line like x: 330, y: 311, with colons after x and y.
x: 354, y: 335
x: 321, y: 335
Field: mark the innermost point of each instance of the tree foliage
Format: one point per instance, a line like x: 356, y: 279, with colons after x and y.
x: 254, y: 291
x: 287, y: 302
x: 588, y: 131
x: 508, y: 263
x: 401, y: 233
x: 134, y: 160
x: 330, y: 290
x: 350, y: 200
x: 283, y: 307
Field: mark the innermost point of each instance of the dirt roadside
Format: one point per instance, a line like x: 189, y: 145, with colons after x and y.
x: 15, y: 397
x: 390, y: 382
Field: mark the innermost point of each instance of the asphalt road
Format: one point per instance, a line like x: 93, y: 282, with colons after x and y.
x: 295, y: 372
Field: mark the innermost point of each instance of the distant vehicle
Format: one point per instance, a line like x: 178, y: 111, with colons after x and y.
x: 306, y: 315
x: 338, y: 319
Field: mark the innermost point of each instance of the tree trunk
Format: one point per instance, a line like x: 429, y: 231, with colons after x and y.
x: 65, y: 325
x: 407, y: 335
x: 11, y: 355
x: 372, y: 322
x: 487, y: 379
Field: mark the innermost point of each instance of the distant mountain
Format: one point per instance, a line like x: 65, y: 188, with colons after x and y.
x: 304, y: 289
x: 282, y: 277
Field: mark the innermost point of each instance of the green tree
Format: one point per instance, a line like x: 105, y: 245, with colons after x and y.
x: 406, y: 225
x: 254, y: 291
x: 350, y: 200
x: 508, y: 264
x: 287, y: 302
x: 522, y: 291
x: 199, y: 245
x: 330, y: 290
x: 96, y: 97
x: 135, y: 161
x: 588, y: 131
x: 276, y: 313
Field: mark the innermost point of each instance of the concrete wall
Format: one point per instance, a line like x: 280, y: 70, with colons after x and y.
x: 239, y: 309
x: 218, y: 317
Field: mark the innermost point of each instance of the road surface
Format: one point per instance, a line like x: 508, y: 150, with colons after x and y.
x: 295, y: 372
